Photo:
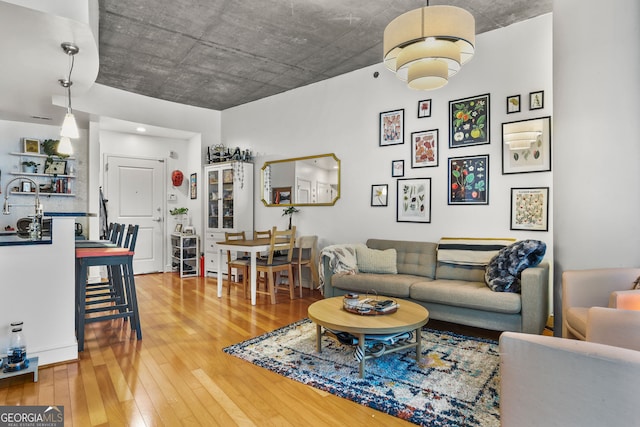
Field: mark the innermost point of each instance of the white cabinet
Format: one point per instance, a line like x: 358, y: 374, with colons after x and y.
x: 185, y: 254
x: 228, y: 206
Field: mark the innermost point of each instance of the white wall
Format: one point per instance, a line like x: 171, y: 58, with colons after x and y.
x: 341, y: 115
x: 596, y: 54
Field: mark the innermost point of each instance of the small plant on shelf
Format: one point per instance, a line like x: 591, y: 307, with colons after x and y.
x: 29, y: 166
x: 179, y: 211
x: 50, y: 148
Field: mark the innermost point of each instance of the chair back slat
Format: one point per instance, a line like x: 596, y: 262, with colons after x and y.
x: 230, y: 236
x: 131, y: 237
x: 264, y: 234
x: 282, y: 240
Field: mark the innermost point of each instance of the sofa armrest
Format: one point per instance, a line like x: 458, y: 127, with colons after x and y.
x: 625, y: 300
x: 327, y: 287
x: 555, y: 381
x: 535, y: 298
x: 611, y: 326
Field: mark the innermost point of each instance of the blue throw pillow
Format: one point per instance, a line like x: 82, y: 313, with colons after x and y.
x: 503, y: 271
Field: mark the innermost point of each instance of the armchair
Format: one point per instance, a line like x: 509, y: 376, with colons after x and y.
x: 604, y: 287
x: 558, y: 382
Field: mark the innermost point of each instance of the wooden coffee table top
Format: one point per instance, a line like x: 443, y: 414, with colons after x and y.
x: 330, y: 314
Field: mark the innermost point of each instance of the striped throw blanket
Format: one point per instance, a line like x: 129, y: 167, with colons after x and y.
x: 342, y: 259
x: 470, y: 251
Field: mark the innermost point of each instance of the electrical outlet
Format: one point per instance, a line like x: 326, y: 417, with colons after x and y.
x: 172, y: 197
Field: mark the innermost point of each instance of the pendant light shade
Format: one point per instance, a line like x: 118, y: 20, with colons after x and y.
x: 423, y: 41
x: 69, y: 126
x: 64, y: 146
x: 521, y: 140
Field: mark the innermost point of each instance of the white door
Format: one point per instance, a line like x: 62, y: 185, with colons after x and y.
x: 324, y: 193
x: 304, y: 190
x: 134, y: 190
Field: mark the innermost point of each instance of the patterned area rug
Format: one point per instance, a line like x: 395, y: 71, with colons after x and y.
x: 456, y: 383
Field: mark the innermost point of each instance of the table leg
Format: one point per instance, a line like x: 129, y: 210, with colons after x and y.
x: 254, y: 277
x: 319, y: 338
x: 418, y: 344
x: 362, y: 347
x: 219, y: 273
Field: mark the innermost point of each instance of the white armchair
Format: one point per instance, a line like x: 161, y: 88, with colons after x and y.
x: 604, y: 287
x: 549, y: 381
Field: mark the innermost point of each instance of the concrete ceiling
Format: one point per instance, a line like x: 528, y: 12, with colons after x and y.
x: 219, y: 54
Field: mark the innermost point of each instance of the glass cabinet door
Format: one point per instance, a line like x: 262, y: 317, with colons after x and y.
x: 214, y: 198
x: 227, y: 199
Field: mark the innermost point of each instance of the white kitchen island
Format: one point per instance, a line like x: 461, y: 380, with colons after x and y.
x: 37, y: 287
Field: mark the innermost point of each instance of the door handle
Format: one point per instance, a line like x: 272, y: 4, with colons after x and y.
x: 156, y: 219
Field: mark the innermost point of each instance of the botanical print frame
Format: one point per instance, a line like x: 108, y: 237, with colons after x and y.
x: 468, y: 182
x: 536, y: 100
x: 414, y: 200
x: 424, y: 149
x: 193, y: 185
x: 397, y: 168
x: 513, y: 104
x: 534, y: 158
x: 530, y: 209
x: 31, y: 145
x: 424, y: 108
x: 379, y: 195
x: 469, y: 121
x: 392, y: 127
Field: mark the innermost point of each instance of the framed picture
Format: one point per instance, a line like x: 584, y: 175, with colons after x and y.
x: 178, y: 228
x: 530, y: 209
x: 379, y: 195
x: 513, y: 104
x: 414, y: 200
x: 55, y: 167
x: 31, y: 145
x: 424, y: 149
x: 193, y: 185
x: 469, y: 180
x: 469, y: 121
x: 189, y: 230
x: 397, y: 168
x: 282, y: 195
x: 536, y: 100
x: 424, y: 108
x: 392, y: 127
x: 526, y: 146
x: 26, y: 187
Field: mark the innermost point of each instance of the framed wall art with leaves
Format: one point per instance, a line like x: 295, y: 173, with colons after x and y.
x: 526, y: 146
x: 379, y: 195
x: 414, y: 200
x: 469, y: 121
x: 469, y: 180
x: 530, y: 209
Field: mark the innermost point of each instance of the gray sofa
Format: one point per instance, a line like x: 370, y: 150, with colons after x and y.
x: 451, y: 293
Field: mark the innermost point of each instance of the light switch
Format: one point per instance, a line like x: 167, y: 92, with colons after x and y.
x: 172, y: 197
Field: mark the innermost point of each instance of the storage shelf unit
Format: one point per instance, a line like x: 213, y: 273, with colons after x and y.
x: 228, y: 207
x: 185, y: 254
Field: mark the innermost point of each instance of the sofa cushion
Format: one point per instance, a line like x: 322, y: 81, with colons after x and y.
x: 576, y: 318
x: 376, y: 261
x: 461, y: 293
x: 471, y: 273
x: 393, y: 285
x: 415, y: 258
x: 503, y: 271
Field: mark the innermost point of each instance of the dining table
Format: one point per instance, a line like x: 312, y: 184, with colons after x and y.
x: 253, y: 247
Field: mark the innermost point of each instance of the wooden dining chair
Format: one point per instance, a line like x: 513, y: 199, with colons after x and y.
x: 304, y: 255
x: 281, y: 241
x: 239, y: 264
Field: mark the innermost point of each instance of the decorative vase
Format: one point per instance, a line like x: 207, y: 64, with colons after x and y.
x: 28, y: 169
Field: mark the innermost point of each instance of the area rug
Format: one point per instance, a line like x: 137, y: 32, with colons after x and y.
x: 455, y: 384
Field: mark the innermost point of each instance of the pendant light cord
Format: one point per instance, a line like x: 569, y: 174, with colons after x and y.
x: 71, y: 63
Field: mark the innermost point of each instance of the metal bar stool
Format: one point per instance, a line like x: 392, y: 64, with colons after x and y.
x: 122, y: 302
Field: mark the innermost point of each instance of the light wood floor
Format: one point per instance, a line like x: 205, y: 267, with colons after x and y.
x: 178, y: 375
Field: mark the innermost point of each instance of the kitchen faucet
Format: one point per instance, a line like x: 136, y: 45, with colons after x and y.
x: 35, y: 231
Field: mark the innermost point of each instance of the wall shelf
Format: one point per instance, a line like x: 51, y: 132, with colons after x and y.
x: 42, y: 194
x: 49, y: 175
x: 43, y: 156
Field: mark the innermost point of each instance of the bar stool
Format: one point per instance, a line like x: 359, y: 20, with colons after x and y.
x: 121, y: 300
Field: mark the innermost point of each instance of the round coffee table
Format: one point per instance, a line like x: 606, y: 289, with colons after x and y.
x: 329, y: 313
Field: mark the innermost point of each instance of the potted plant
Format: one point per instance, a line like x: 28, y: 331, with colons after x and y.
x: 29, y: 166
x: 179, y: 211
x: 50, y: 148
x: 290, y: 211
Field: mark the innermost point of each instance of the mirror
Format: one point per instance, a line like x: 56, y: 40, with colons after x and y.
x: 526, y: 146
x: 301, y: 181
